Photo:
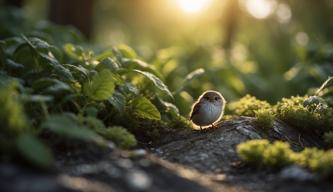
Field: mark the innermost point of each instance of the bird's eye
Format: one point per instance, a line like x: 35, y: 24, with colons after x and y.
x: 216, y: 98
x: 207, y: 98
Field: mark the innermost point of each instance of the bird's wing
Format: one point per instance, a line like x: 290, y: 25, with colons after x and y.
x: 195, y: 109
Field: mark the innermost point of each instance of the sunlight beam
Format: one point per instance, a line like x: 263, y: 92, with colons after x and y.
x: 192, y: 6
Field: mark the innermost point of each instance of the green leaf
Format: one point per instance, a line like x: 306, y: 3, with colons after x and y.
x: 34, y: 150
x: 170, y: 107
x: 51, y: 86
x: 135, y: 63
x: 108, y: 63
x: 104, y: 55
x: 101, y: 87
x: 78, y: 71
x: 12, y: 117
x: 194, y: 74
x: 73, y: 51
x: 65, y: 124
x: 126, y: 51
x: 120, y: 136
x: 140, y: 65
x: 53, y: 64
x: 118, y: 101
x: 11, y: 44
x: 157, y: 82
x: 143, y: 108
x: 36, y: 98
x: 12, y: 66
x: 129, y: 89
x: 79, y: 54
x: 25, y: 55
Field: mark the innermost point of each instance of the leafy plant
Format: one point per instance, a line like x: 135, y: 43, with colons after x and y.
x: 67, y: 125
x: 73, y: 91
x: 101, y: 87
x: 143, y: 108
x: 12, y: 116
x: 120, y: 136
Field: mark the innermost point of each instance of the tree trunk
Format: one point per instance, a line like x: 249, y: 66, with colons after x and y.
x: 230, y: 26
x: 15, y: 3
x: 77, y: 13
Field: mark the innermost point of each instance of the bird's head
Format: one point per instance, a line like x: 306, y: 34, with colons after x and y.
x: 213, y: 97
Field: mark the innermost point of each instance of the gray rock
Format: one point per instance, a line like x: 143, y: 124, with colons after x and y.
x: 296, y: 173
x: 138, y: 180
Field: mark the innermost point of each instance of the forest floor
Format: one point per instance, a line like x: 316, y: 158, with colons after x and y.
x: 186, y: 160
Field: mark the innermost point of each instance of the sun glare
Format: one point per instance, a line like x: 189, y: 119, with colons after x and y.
x: 192, y: 6
x: 260, y: 9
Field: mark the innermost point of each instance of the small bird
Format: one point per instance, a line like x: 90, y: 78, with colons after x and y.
x: 208, y: 109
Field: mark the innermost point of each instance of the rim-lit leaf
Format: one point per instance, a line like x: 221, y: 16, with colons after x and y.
x: 104, y: 55
x: 194, y: 74
x: 126, y: 51
x: 156, y: 81
x: 101, y: 87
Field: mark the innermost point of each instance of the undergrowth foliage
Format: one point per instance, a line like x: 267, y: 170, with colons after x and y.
x: 278, y: 154
x: 62, y: 86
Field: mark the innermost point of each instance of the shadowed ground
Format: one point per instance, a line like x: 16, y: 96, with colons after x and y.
x: 187, y: 160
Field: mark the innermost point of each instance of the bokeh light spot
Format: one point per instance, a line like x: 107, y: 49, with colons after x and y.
x: 283, y: 13
x: 260, y: 9
x: 302, y: 38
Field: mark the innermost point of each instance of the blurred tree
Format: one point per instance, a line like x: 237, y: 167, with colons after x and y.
x: 15, y: 3
x: 230, y: 25
x: 74, y: 12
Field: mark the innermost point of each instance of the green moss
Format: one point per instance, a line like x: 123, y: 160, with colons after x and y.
x: 305, y: 113
x: 324, y: 164
x: 247, y: 106
x: 308, y: 157
x: 278, y: 154
x: 120, y: 136
x: 251, y: 152
x: 227, y: 117
x: 261, y: 152
x: 264, y: 118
